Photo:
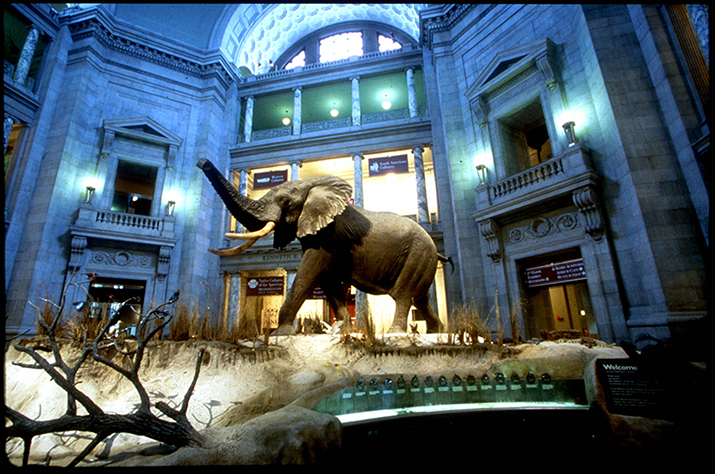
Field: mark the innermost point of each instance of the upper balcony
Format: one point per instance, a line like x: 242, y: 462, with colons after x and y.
x: 125, y: 227
x: 554, y: 179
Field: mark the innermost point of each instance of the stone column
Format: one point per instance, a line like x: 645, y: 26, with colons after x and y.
x: 7, y: 129
x: 248, y: 126
x: 356, y: 101
x: 411, y: 95
x: 234, y: 299
x: 242, y: 190
x: 295, y: 167
x: 422, y: 208
x: 28, y: 51
x: 361, y: 307
x: 297, y: 109
x: 357, y: 179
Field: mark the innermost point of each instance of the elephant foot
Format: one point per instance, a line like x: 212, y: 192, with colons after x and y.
x: 284, y: 330
x: 397, y: 329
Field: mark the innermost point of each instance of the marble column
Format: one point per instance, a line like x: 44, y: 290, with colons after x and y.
x: 411, y: 95
x: 361, y: 307
x: 234, y: 299
x: 422, y: 209
x: 7, y: 129
x: 357, y: 179
x: 356, y: 101
x: 295, y: 167
x: 248, y: 125
x: 28, y: 51
x: 297, y: 109
x: 242, y: 190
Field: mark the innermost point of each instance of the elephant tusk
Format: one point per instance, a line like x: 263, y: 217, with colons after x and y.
x: 253, y: 235
x: 233, y: 250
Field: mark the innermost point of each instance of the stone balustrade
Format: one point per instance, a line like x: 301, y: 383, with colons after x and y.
x: 132, y: 225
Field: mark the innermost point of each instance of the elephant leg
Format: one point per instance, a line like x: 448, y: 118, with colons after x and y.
x: 424, y: 308
x: 334, y: 292
x: 313, y: 264
x: 402, y: 309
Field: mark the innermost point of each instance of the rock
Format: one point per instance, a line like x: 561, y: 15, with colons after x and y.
x: 290, y: 435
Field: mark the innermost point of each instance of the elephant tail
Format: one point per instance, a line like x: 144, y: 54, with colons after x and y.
x: 444, y: 259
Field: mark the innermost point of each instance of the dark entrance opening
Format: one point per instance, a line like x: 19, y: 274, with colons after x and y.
x: 108, y: 294
x: 557, y: 292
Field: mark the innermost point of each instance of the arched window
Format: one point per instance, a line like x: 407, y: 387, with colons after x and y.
x: 341, y: 46
x: 343, y: 41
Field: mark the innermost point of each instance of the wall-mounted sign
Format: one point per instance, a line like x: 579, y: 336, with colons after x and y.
x: 265, y: 286
x: 556, y: 273
x: 390, y: 164
x: 268, y: 179
x: 316, y: 294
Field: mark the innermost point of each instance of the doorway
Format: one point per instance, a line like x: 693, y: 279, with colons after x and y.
x: 107, y: 296
x: 558, y: 299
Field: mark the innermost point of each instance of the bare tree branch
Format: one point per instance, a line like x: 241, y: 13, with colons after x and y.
x: 140, y: 422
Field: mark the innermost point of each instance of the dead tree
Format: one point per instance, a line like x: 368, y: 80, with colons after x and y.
x: 142, y: 421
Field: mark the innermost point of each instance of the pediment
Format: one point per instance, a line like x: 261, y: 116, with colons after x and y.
x: 143, y: 128
x: 508, y: 63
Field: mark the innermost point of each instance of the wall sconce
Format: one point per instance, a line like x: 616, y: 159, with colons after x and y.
x: 482, y: 173
x: 88, y: 194
x: 171, y: 205
x: 570, y: 133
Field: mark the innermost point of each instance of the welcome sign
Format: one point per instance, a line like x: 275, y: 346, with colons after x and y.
x: 390, y: 164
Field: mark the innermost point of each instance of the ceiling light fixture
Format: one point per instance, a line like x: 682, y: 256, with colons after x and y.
x: 286, y: 120
x: 386, y: 104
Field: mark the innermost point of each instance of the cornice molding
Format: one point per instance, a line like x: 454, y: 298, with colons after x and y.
x: 100, y: 31
x: 445, y: 19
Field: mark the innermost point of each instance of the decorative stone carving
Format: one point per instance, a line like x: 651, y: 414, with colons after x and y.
x: 490, y: 230
x: 77, y: 247
x: 121, y: 258
x: 586, y: 201
x: 162, y: 267
x: 479, y: 109
x: 542, y: 227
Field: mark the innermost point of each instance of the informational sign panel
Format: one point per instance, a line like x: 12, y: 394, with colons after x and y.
x: 632, y: 389
x: 316, y: 294
x: 556, y: 273
x: 390, y: 164
x: 265, y: 286
x: 269, y: 179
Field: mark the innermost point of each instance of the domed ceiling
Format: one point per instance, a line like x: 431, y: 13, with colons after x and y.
x: 249, y: 34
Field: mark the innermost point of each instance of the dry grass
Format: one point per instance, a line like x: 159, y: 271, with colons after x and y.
x: 467, y: 325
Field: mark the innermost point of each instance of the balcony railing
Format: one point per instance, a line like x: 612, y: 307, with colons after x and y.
x: 555, y: 176
x: 129, y: 225
x: 539, y: 175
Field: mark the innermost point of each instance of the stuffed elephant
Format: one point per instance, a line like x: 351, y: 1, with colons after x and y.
x: 377, y: 252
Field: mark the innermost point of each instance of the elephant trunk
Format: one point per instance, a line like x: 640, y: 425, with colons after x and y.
x: 244, y: 209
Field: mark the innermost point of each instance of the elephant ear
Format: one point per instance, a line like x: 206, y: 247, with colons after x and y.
x: 326, y: 199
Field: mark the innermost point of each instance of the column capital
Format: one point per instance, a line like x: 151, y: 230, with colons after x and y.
x: 354, y: 78
x: 296, y: 163
x: 297, y: 88
x: 360, y: 155
x: 242, y: 170
x: 421, y: 148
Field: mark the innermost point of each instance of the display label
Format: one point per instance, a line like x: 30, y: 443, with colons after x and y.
x: 556, y: 273
x: 391, y: 164
x: 268, y: 179
x: 265, y: 286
